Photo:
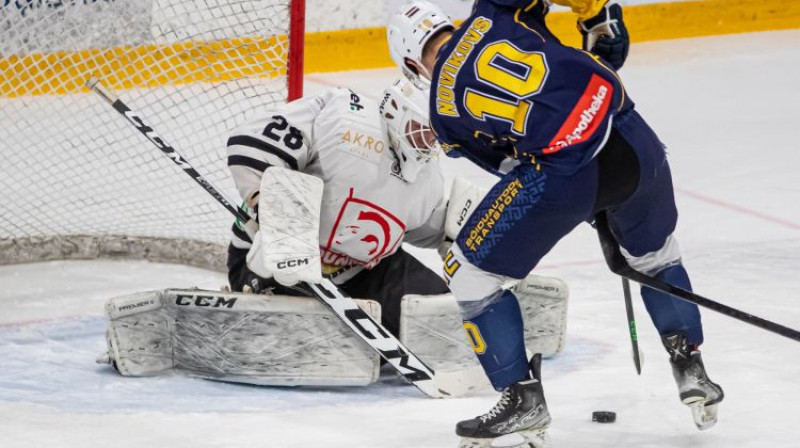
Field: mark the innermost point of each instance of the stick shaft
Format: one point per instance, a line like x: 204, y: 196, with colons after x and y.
x: 626, y: 290
x: 619, y: 265
x: 138, y: 122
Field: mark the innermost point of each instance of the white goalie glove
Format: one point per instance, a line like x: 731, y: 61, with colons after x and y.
x: 286, y: 247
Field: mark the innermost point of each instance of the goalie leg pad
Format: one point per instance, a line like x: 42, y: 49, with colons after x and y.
x: 235, y: 337
x: 432, y: 327
x: 543, y: 301
x: 139, y: 334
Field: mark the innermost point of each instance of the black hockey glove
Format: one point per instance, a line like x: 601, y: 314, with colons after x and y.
x: 606, y: 36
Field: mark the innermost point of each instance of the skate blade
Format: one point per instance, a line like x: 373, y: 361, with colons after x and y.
x: 705, y: 416
x: 536, y: 438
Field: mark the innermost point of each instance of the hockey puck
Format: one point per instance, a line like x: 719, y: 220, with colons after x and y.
x: 604, y: 416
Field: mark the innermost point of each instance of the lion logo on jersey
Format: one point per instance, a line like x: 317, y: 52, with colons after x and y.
x: 364, y: 232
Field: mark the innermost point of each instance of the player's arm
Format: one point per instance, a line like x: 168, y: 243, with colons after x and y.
x: 282, y: 138
x: 604, y: 32
x: 584, y: 8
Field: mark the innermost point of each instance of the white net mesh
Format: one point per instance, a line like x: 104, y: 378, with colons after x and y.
x: 77, y: 180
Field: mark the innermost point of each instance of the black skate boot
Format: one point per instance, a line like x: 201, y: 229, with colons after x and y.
x: 696, y: 390
x: 520, y: 417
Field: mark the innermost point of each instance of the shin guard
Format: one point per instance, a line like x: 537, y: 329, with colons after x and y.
x: 671, y: 315
x: 496, y: 333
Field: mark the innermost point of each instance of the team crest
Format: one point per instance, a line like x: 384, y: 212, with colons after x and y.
x: 369, y: 232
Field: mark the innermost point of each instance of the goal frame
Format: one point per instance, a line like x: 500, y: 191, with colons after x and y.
x: 297, y: 27
x: 184, y: 251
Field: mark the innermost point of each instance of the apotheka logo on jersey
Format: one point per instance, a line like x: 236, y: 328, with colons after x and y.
x: 363, y: 233
x: 586, y: 117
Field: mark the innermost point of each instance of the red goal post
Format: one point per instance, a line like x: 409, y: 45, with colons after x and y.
x: 296, y: 48
x: 76, y: 180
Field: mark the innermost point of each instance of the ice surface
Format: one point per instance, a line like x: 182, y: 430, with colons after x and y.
x: 725, y: 106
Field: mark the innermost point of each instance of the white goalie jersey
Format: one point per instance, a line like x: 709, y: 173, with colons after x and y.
x: 368, y: 208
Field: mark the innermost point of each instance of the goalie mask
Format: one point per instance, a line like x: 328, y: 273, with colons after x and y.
x: 409, y: 29
x: 404, y: 111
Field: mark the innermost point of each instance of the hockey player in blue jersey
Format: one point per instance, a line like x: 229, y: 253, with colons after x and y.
x: 558, y: 128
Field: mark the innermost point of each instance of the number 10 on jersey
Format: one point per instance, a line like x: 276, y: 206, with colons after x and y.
x: 510, y: 70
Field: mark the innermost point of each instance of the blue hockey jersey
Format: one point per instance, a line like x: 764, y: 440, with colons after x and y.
x: 506, y: 91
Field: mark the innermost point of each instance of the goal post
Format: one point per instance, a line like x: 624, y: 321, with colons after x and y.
x: 76, y: 180
x: 297, y: 30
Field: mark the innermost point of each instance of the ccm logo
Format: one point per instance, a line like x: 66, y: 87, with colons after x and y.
x: 292, y: 263
x: 205, y: 301
x: 464, y: 212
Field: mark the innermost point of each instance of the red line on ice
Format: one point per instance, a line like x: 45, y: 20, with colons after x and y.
x: 739, y: 209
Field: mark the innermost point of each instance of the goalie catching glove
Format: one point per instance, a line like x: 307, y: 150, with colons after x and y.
x: 286, y: 247
x: 606, y: 36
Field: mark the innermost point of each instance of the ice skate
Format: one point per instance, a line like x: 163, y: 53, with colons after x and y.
x: 519, y: 420
x: 696, y: 390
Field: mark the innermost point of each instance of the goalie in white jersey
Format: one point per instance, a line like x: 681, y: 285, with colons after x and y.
x: 372, y: 168
x: 382, y: 187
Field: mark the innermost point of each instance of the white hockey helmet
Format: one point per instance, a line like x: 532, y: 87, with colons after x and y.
x: 404, y: 110
x: 409, y: 29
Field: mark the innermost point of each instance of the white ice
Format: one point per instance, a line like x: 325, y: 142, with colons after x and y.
x: 727, y: 109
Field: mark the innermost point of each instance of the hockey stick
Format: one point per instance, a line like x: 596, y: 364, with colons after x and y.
x: 626, y: 290
x: 408, y: 365
x: 94, y: 84
x: 619, y: 265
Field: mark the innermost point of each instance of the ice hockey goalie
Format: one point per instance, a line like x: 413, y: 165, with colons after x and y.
x: 382, y: 186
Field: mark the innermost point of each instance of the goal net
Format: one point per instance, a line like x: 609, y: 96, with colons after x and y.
x: 77, y: 180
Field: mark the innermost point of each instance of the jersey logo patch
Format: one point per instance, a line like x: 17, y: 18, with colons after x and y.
x: 396, y: 171
x: 586, y: 117
x: 362, y: 145
x: 355, y: 103
x: 364, y: 232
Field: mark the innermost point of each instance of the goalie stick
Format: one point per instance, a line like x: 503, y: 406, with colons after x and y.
x: 619, y: 265
x: 408, y: 365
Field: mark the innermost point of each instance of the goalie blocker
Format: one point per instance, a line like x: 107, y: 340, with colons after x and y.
x: 297, y: 341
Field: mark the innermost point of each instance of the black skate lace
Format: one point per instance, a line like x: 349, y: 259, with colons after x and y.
x: 505, y: 400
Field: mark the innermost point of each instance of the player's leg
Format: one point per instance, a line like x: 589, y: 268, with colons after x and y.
x: 636, y: 189
x: 516, y: 223
x: 644, y: 226
x: 393, y: 278
x: 495, y: 329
